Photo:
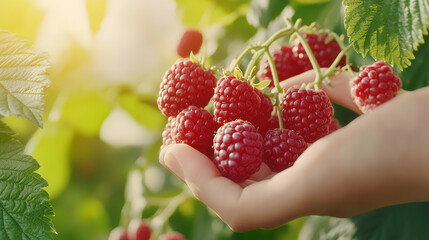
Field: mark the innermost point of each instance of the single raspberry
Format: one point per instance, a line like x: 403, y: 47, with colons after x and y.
x: 172, y: 236
x: 375, y: 84
x: 308, y: 112
x: 190, y: 41
x: 285, y: 62
x: 166, y: 134
x: 238, y: 150
x: 139, y: 230
x: 325, y: 53
x: 196, y: 127
x: 334, y: 126
x: 281, y: 148
x: 235, y: 99
x: 186, y: 83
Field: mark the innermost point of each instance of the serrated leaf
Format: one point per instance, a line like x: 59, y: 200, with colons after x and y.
x: 23, y: 78
x: 387, y: 30
x: 24, y: 205
x: 406, y: 221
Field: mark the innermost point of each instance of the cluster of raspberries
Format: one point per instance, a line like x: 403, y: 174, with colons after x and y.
x: 243, y: 130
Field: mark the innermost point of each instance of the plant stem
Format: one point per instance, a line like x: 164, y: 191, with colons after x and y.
x: 337, y: 60
x: 277, y: 85
x: 256, y: 57
x: 311, y: 57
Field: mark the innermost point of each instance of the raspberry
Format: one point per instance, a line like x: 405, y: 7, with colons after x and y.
x: 166, y: 134
x: 172, y: 236
x: 190, y: 41
x: 285, y: 62
x: 139, y: 230
x: 334, y: 126
x: 281, y: 148
x: 325, y: 53
x: 186, y: 83
x: 195, y: 126
x: 235, y: 99
x: 374, y: 85
x: 308, y: 112
x: 238, y: 150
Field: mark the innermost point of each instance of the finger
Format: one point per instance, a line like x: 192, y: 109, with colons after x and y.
x: 263, y: 204
x: 339, y: 92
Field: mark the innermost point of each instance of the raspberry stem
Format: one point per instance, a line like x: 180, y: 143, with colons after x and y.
x: 337, y: 60
x: 277, y: 85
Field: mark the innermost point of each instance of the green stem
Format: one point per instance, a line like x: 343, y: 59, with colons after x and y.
x: 158, y: 222
x: 312, y: 58
x: 257, y: 56
x: 277, y: 85
x: 334, y: 65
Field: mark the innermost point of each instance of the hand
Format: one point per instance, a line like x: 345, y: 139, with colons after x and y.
x: 377, y: 160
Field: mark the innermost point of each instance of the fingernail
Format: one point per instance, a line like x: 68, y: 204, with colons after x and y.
x: 173, y: 165
x: 162, y: 154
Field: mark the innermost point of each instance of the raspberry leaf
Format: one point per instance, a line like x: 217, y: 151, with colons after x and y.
x: 407, y: 221
x: 387, y: 30
x: 23, y: 78
x: 24, y: 205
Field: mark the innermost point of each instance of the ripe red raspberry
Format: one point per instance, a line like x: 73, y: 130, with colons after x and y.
x: 195, y: 126
x: 285, y: 62
x: 186, y: 83
x: 139, y: 230
x: 190, y: 41
x: 166, y: 134
x: 172, y: 236
x: 281, y: 148
x: 325, y: 53
x: 308, y: 112
x: 238, y: 150
x: 235, y: 99
x: 334, y: 126
x: 374, y: 85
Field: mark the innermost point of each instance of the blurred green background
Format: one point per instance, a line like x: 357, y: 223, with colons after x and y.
x: 99, y: 147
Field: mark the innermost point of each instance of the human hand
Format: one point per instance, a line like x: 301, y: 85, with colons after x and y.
x: 357, y: 168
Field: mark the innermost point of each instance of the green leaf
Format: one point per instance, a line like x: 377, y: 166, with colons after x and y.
x: 23, y: 78
x: 261, y: 13
x: 143, y: 111
x: 406, y: 221
x: 85, y: 111
x: 203, y: 13
x: 51, y: 147
x: 24, y: 205
x: 387, y: 30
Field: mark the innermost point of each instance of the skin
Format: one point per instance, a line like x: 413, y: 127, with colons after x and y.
x: 379, y: 159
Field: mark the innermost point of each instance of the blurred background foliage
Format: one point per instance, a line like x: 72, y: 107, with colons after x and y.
x: 99, y: 147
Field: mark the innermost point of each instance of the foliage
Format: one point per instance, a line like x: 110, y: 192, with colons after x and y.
x: 24, y: 205
x: 99, y: 146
